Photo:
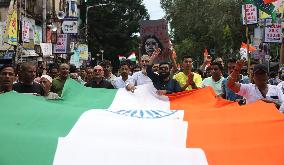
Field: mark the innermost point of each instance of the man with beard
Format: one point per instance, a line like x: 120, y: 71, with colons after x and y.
x: 139, y: 78
x: 27, y: 84
x: 46, y: 82
x: 58, y: 82
x: 98, y: 79
x: 260, y: 90
x: 120, y: 82
x: 215, y: 81
x: 7, y: 77
x: 162, y: 81
x: 155, y: 68
x: 187, y: 79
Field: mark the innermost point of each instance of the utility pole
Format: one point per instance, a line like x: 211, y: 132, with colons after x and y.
x: 247, y: 37
x: 86, y: 22
x: 44, y: 20
x: 20, y: 31
x: 86, y: 28
x: 17, y: 53
x: 53, y: 9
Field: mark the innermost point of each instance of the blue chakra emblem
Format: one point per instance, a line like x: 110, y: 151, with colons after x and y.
x: 145, y: 114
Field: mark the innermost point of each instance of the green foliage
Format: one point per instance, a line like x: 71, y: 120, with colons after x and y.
x: 112, y: 26
x: 200, y: 24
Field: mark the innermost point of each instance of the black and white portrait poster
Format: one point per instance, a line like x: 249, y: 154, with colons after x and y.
x: 154, y: 34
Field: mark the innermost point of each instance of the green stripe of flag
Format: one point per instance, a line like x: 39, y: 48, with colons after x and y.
x: 30, y: 125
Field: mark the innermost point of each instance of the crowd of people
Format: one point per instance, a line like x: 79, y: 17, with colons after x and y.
x: 235, y: 84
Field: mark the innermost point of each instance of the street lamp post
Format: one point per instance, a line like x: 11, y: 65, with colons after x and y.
x: 86, y: 28
x: 87, y: 10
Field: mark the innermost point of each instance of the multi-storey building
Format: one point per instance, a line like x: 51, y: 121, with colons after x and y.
x: 30, y: 11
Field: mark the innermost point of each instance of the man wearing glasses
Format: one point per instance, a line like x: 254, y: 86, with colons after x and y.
x: 98, y: 79
x: 162, y: 81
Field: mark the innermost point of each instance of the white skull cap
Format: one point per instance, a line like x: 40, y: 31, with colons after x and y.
x: 47, y: 77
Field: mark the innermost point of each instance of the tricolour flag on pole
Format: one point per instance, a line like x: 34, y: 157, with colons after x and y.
x: 251, y: 48
x: 109, y: 126
x: 132, y: 56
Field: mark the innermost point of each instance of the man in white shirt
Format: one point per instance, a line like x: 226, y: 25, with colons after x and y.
x: 139, y: 78
x: 258, y: 91
x: 120, y: 82
x: 281, y: 84
x: 215, y: 81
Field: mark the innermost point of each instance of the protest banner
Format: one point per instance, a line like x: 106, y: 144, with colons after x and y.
x: 154, y: 34
x: 251, y: 11
x: 29, y: 36
x: 46, y: 49
x: 61, y: 45
x: 12, y: 28
x: 38, y: 35
x: 272, y: 31
x: 3, y: 45
x: 26, y: 30
x: 70, y: 25
x: 83, y: 49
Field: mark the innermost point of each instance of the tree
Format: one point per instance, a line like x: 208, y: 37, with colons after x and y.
x: 199, y: 24
x: 113, y: 25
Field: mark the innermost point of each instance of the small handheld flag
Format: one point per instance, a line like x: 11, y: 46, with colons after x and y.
x: 121, y: 58
x: 132, y: 57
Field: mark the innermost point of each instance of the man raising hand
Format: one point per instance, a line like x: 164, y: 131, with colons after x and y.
x: 260, y: 90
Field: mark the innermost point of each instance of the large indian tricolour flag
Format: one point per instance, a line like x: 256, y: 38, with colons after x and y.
x: 115, y: 127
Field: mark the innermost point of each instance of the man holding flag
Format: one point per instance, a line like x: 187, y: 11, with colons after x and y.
x: 139, y: 78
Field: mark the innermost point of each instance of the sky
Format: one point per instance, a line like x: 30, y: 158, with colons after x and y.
x: 154, y: 9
